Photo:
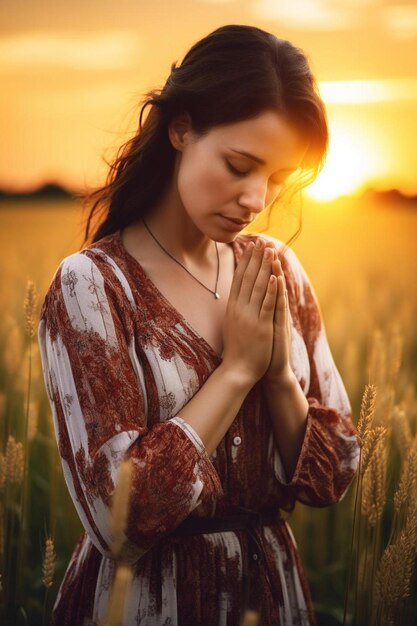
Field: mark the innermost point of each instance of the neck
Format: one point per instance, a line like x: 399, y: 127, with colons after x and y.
x: 177, y: 233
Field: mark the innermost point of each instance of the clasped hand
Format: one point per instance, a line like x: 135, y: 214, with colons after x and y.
x: 257, y: 330
x: 280, y: 360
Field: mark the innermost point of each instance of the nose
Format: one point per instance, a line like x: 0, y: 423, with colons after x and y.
x: 253, y: 196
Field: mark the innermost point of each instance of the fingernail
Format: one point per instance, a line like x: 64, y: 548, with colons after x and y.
x: 258, y: 243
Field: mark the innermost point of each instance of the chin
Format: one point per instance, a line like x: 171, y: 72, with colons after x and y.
x: 221, y: 235
x: 224, y: 237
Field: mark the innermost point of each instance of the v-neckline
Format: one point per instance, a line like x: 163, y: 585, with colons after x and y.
x: 176, y: 313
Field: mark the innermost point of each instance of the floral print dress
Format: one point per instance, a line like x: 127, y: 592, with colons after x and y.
x: 119, y: 361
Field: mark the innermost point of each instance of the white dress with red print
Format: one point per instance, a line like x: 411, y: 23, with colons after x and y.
x: 119, y: 361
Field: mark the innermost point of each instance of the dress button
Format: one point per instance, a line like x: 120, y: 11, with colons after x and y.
x: 255, y: 556
x: 237, y: 441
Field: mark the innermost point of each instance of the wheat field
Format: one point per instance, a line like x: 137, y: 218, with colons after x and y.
x: 359, y: 555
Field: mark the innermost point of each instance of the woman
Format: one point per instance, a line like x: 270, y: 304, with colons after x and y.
x: 174, y: 341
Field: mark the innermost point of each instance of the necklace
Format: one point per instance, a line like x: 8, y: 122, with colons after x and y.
x: 215, y: 292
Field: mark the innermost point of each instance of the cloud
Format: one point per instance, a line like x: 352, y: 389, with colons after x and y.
x: 400, y: 20
x: 366, y: 91
x: 109, y: 50
x: 309, y: 14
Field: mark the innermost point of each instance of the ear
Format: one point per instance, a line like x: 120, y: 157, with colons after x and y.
x: 179, y: 131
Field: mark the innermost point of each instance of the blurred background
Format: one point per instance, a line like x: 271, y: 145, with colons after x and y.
x: 72, y: 75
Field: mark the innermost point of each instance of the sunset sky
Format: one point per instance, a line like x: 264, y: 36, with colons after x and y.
x: 71, y: 75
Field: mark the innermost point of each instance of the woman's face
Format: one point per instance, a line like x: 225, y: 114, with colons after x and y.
x: 215, y: 180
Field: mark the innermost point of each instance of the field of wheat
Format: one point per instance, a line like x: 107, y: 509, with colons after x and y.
x: 360, y: 554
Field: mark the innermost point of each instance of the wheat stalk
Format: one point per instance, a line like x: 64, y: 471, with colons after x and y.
x: 9, y: 458
x: 372, y: 500
x: 408, y: 481
x: 374, y: 481
x: 3, y: 471
x: 19, y: 462
x: 250, y: 618
x: 14, y: 460
x: 367, y: 412
x: 121, y: 582
x: 396, y: 568
x: 393, y: 581
x: 29, y: 307
x: 372, y: 438
x: 120, y: 507
x: 48, y: 565
x: 364, y: 433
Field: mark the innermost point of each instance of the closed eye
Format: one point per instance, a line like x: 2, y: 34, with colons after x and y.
x: 239, y: 173
x: 235, y: 171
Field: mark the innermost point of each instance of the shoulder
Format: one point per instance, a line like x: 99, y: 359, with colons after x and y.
x: 86, y: 276
x: 73, y: 269
x: 97, y: 257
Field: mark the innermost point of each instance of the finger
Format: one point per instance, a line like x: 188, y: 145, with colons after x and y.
x: 288, y: 315
x: 261, y: 283
x: 277, y: 265
x: 268, y: 305
x: 283, y: 315
x: 279, y: 273
x: 251, y: 273
x: 281, y: 300
x: 240, y: 271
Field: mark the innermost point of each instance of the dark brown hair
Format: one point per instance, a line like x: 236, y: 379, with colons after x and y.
x: 233, y: 74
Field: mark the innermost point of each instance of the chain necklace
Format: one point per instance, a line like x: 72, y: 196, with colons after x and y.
x: 215, y: 292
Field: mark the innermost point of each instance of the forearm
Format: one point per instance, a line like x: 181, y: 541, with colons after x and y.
x: 288, y: 408
x: 213, y: 408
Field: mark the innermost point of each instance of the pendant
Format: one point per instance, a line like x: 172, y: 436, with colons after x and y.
x: 216, y: 295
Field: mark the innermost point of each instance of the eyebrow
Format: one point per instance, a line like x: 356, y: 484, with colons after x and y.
x: 261, y: 161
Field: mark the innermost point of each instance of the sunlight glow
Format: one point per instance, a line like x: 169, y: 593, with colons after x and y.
x: 112, y: 49
x: 400, y: 20
x: 348, y: 167
x: 365, y: 91
x: 307, y: 14
x: 78, y: 89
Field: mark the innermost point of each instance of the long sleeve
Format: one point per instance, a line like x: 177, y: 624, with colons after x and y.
x: 96, y: 380
x: 329, y: 455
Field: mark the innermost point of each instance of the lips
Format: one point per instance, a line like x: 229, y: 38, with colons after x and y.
x: 236, y: 220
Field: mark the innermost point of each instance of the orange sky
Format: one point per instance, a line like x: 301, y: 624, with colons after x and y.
x: 71, y: 76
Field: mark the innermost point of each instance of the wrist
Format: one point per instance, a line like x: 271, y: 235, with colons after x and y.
x: 242, y: 381
x: 284, y: 380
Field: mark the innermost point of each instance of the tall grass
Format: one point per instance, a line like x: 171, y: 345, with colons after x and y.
x: 361, y: 564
